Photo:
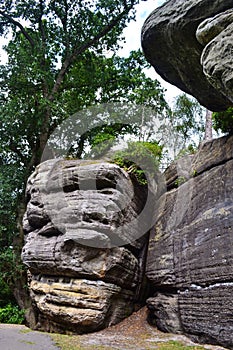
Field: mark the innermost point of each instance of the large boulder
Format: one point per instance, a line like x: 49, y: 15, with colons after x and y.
x: 190, y: 256
x: 78, y: 213
x: 216, y: 34
x: 170, y: 44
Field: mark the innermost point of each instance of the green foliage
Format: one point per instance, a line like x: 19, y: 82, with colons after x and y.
x: 96, y: 79
x: 56, y: 67
x: 180, y: 181
x: 101, y: 138
x: 139, y: 158
x: 10, y: 268
x: 223, y: 121
x: 6, y: 295
x: 191, y: 149
x: 11, y: 314
x: 188, y: 115
x: 11, y: 187
x: 184, y: 127
x: 11, y: 271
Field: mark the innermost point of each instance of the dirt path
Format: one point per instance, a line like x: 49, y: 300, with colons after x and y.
x: 135, y: 333
x: 17, y: 337
x: 131, y: 334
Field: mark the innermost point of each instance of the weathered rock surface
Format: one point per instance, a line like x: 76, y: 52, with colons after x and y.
x: 213, y: 26
x: 170, y: 45
x: 165, y: 309
x: 77, y: 213
x: 190, y: 257
x: 82, y: 281
x: 217, y: 34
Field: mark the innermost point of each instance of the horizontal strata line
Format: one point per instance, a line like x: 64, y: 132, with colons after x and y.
x: 215, y: 165
x: 171, y: 186
x: 198, y: 287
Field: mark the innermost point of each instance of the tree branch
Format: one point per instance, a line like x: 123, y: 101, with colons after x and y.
x: 19, y: 25
x: 41, y: 27
x: 64, y: 20
x: 14, y: 149
x: 71, y: 58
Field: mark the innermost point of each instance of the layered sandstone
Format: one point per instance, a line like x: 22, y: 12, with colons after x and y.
x: 78, y: 215
x: 190, y: 258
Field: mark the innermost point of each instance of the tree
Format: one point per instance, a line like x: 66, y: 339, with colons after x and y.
x: 57, y: 36
x: 208, y: 126
x: 223, y: 121
x: 56, y: 66
x: 185, y: 125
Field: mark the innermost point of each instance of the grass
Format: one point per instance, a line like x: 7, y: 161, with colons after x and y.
x: 27, y: 342
x: 66, y: 342
x: 25, y: 331
x: 176, y: 345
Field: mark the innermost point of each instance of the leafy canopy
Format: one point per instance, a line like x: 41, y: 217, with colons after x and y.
x: 61, y: 59
x: 224, y: 121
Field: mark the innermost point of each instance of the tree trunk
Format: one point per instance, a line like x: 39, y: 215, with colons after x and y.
x: 20, y: 280
x: 208, y: 126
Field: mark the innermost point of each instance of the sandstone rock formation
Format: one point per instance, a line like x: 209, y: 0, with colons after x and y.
x: 190, y: 256
x: 190, y: 259
x: 216, y: 34
x: 170, y: 45
x: 81, y: 280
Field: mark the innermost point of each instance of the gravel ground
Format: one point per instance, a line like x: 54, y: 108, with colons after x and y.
x: 135, y: 333
x: 131, y: 334
x: 17, y: 337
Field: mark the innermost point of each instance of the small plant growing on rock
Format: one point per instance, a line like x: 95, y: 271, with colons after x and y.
x: 138, y: 158
x: 180, y: 181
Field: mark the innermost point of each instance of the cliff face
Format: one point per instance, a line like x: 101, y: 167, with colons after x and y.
x: 81, y: 282
x: 80, y: 279
x: 87, y: 261
x: 189, y: 43
x: 190, y: 257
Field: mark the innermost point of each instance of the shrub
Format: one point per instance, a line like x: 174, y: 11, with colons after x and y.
x: 6, y: 295
x: 11, y: 314
x: 138, y: 158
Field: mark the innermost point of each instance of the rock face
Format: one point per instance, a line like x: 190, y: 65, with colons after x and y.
x: 80, y: 279
x: 217, y: 34
x: 190, y: 257
x: 170, y: 45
